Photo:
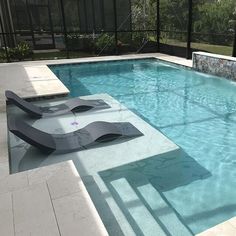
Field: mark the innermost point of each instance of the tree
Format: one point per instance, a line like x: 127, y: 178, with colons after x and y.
x: 214, y: 17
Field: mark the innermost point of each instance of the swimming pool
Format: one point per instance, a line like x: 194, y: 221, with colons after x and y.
x: 194, y: 110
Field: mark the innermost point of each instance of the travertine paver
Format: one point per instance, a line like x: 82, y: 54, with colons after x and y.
x: 13, y: 182
x: 3, y: 138
x: 75, y: 212
x: 62, y: 179
x: 76, y: 216
x: 232, y: 221
x: 3, y: 153
x: 41, y: 175
x: 223, y: 229
x: 4, y: 170
x: 30, y: 81
x: 174, y: 59
x: 3, y: 148
x: 65, y: 182
x: 33, y: 212
x: 6, y: 215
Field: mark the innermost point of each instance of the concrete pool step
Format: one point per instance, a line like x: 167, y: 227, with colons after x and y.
x: 148, y: 213
x: 162, y: 211
x: 137, y: 214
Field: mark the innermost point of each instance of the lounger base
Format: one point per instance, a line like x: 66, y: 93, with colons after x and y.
x: 87, y: 137
x: 71, y: 105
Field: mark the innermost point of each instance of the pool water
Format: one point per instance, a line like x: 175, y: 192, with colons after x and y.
x: 194, y: 110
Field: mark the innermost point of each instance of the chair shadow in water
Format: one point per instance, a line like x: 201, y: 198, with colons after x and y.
x: 165, y: 171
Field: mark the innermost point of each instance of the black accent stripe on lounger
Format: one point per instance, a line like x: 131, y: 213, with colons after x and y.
x: 71, y: 105
x: 90, y: 135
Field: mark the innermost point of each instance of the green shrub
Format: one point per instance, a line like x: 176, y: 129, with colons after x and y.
x: 105, y: 43
x: 20, y: 52
x: 2, y: 56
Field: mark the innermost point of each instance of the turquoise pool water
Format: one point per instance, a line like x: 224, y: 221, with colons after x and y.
x: 194, y: 110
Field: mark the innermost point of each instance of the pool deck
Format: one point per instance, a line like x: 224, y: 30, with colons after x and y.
x: 52, y: 200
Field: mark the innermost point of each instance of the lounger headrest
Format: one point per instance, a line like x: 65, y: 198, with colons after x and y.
x: 10, y: 95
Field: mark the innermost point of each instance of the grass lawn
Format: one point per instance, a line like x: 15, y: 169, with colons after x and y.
x: 60, y: 55
x: 218, y: 49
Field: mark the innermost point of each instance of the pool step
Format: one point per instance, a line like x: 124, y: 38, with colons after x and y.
x: 146, y: 210
x: 140, y: 218
x: 162, y: 211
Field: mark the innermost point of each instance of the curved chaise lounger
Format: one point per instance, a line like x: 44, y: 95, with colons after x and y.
x: 90, y: 135
x: 72, y: 105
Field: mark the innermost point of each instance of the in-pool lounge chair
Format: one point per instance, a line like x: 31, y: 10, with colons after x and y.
x: 90, y: 135
x: 72, y: 105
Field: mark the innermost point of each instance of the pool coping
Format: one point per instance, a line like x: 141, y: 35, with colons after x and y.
x: 33, y: 86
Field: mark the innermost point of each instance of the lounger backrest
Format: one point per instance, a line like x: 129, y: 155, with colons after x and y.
x: 31, y: 135
x: 24, y: 105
